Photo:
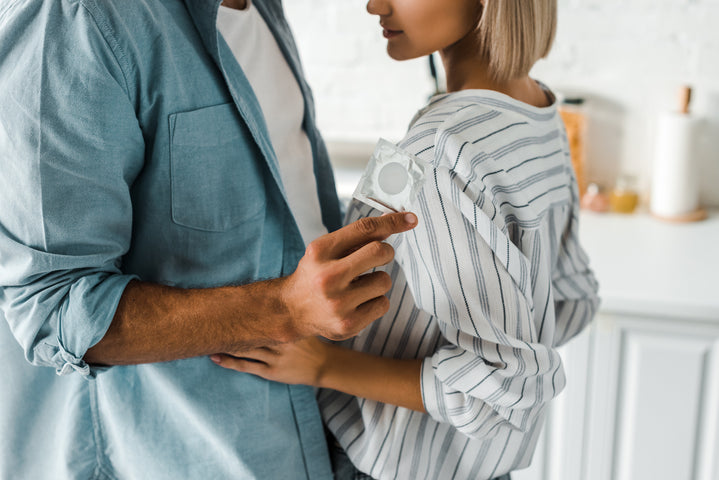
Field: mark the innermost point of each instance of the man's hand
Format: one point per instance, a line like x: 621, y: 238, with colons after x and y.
x: 329, y: 294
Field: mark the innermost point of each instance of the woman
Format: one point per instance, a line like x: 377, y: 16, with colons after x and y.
x: 453, y: 381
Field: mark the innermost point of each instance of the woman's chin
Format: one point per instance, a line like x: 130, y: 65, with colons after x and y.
x: 401, y: 54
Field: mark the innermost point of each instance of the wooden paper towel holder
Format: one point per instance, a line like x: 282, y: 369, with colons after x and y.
x: 695, y: 216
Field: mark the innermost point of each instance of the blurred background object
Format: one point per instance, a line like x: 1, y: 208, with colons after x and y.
x: 595, y: 199
x: 624, y: 197
x: 575, y: 121
x: 675, y: 175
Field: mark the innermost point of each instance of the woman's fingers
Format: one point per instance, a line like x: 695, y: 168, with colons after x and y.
x: 245, y: 365
x: 291, y: 363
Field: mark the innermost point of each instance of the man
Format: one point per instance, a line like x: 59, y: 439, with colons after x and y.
x: 156, y: 199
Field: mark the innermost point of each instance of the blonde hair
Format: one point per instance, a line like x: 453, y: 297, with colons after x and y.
x: 514, y: 34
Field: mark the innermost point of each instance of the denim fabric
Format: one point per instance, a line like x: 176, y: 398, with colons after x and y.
x: 132, y: 146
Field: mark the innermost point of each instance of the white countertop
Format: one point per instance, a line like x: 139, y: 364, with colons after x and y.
x: 650, y: 267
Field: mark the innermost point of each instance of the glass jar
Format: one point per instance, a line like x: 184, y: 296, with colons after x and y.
x: 624, y: 198
x: 574, y: 116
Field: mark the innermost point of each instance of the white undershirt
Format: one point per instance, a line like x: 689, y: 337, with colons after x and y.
x: 282, y: 103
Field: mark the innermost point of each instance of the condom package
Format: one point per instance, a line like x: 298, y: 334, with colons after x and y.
x: 392, y: 179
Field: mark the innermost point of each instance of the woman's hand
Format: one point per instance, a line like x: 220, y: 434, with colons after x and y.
x: 316, y: 363
x: 302, y: 362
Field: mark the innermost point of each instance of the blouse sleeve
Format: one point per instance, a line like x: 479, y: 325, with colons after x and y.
x: 493, y: 372
x: 574, y: 285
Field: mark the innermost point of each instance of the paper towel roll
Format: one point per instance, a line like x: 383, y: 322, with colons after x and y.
x: 675, y: 183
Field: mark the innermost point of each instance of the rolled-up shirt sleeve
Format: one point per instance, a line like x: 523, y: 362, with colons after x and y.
x: 70, y: 147
x: 493, y: 372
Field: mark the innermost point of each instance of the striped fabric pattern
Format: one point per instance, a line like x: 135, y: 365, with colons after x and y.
x: 486, y: 287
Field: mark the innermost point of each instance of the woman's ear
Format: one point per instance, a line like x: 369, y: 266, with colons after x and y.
x: 481, y: 4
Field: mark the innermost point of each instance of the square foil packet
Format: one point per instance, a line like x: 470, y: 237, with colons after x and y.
x: 392, y: 179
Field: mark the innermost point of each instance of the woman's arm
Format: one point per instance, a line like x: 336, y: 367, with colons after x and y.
x: 320, y: 364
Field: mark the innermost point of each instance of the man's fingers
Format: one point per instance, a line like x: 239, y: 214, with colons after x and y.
x: 374, y: 254
x: 365, y: 230
x: 373, y: 309
x: 365, y: 314
x: 323, y: 294
x: 368, y: 287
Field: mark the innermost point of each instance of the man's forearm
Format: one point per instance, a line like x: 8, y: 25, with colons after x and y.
x: 155, y: 323
x: 327, y: 295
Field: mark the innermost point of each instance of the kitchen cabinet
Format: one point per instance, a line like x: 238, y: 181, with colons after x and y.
x: 642, y: 398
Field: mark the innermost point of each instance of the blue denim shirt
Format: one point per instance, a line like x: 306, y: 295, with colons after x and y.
x: 132, y: 146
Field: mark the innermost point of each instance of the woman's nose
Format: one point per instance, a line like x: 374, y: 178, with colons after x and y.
x: 378, y: 7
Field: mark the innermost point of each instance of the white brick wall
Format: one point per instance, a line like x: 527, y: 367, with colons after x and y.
x: 627, y: 57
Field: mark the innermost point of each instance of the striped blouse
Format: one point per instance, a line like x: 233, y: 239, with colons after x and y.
x: 485, y: 288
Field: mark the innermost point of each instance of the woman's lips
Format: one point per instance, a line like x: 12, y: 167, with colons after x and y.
x: 387, y: 33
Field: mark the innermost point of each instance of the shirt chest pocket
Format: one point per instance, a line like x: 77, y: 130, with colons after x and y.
x: 216, y: 170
